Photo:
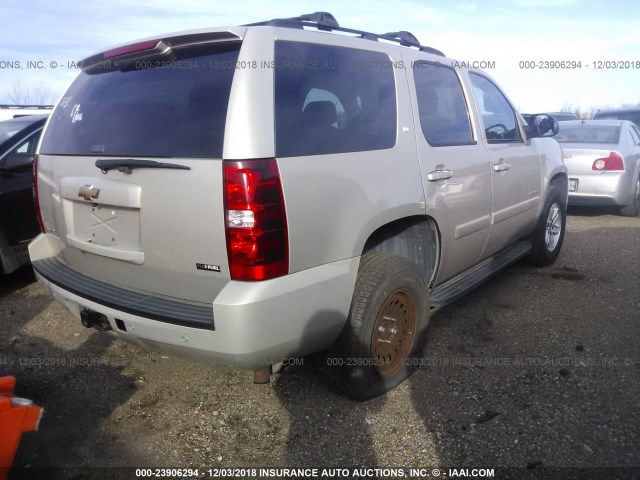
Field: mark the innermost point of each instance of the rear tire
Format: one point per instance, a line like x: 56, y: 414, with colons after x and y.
x: 548, y: 235
x: 633, y: 208
x: 381, y: 343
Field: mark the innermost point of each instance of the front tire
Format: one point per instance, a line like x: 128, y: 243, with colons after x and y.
x: 381, y: 343
x: 548, y: 235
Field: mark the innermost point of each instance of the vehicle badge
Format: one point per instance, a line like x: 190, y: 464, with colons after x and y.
x: 88, y: 192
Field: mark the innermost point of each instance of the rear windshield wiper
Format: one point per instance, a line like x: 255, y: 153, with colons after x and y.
x: 127, y: 165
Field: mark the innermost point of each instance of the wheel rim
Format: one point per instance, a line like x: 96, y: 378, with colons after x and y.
x: 553, y: 228
x: 393, y: 332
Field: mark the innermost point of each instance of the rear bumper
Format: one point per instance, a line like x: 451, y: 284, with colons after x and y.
x: 256, y: 323
x: 609, y: 188
x: 56, y: 272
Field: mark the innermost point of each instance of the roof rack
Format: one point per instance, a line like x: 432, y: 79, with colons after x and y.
x: 405, y: 38
x: 327, y: 22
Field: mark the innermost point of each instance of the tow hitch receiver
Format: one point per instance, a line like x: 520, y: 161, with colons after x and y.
x: 91, y: 319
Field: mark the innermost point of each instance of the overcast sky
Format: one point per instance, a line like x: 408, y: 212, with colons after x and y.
x: 52, y: 35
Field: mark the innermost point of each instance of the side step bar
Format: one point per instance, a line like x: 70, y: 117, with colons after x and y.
x: 456, y: 287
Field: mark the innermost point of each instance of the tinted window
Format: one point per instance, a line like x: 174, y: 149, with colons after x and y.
x: 332, y: 100
x: 23, y: 153
x: 441, y: 105
x: 29, y: 145
x: 586, y: 133
x: 9, y: 128
x: 175, y: 110
x: 499, y: 118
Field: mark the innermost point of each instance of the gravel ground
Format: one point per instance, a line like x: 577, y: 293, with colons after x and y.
x: 537, y: 368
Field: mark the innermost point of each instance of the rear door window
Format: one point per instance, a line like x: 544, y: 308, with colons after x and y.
x: 332, y: 100
x: 148, y: 109
x: 444, y: 116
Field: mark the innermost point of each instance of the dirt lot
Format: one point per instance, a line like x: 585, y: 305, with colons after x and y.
x: 537, y: 368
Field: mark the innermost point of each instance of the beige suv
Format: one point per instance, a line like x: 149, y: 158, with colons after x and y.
x: 245, y: 195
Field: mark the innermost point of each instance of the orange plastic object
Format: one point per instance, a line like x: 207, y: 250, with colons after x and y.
x: 17, y: 415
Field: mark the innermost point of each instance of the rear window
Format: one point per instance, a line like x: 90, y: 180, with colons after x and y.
x: 149, y: 109
x: 332, y: 100
x: 9, y: 128
x: 588, y: 134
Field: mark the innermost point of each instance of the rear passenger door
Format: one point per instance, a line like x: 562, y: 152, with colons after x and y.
x: 455, y: 167
x: 515, y: 167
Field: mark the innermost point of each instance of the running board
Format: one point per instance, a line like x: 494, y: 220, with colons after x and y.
x: 453, y: 289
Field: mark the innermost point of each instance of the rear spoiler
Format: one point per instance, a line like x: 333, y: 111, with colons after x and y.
x: 120, y: 57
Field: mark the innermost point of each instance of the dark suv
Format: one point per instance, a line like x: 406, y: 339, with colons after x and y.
x: 631, y: 114
x: 18, y: 222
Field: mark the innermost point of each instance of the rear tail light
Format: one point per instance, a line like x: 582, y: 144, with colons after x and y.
x: 612, y: 162
x: 129, y: 49
x: 127, y: 54
x: 255, y: 220
x: 35, y: 193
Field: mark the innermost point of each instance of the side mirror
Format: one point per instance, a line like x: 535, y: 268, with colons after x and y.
x: 16, y: 161
x: 541, y: 125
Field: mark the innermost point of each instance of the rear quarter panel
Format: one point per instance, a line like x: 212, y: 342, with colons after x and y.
x: 335, y: 201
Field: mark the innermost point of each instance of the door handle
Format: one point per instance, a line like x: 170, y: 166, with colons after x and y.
x: 439, y: 175
x: 501, y: 166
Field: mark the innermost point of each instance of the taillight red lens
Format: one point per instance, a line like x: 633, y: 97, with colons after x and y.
x: 35, y: 193
x: 255, y: 220
x: 612, y: 162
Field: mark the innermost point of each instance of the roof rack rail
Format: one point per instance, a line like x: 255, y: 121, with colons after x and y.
x: 322, y: 19
x: 405, y: 38
x: 434, y: 51
x: 327, y: 22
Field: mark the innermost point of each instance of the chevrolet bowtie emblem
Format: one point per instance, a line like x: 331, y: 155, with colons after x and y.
x: 88, y: 192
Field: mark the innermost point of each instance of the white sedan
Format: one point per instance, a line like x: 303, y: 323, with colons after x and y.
x: 603, y: 159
